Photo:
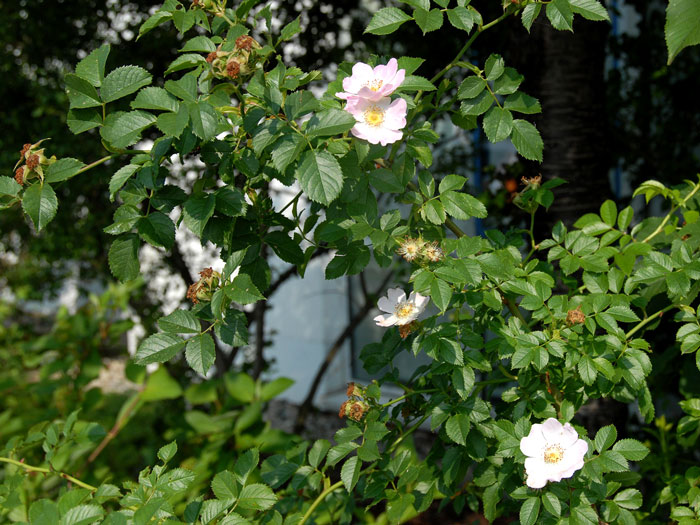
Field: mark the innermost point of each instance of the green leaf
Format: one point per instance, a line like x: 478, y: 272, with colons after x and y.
x: 63, y: 169
x: 225, y: 486
x: 416, y: 83
x: 81, y: 93
x: 256, y: 497
x: 527, y: 140
x: 242, y: 290
x: 197, y: 211
x: 92, y: 67
x: 428, y: 20
x: 160, y: 385
x: 462, y: 206
x: 186, y: 61
x: 122, y: 130
x: 494, y: 67
x: 200, y: 43
x: 529, y: 511
x: 461, y: 18
x: 589, y: 9
x: 434, y: 211
x: 318, y: 452
x: 167, y: 452
x: 40, y: 203
x: 155, y: 98
x: 682, y: 27
x: 608, y: 212
x: 330, y: 122
x: 631, y: 449
x: 173, y: 124
x: 9, y: 186
x: 124, y: 257
x: 291, y: 29
x: 158, y: 18
x: 200, y: 353
x: 157, y: 229
x: 629, y: 499
x: 508, y: 83
x: 441, y: 293
x: 320, y: 176
x: 246, y: 463
x: 471, y: 87
x: 529, y: 15
x: 463, y: 380
x: 81, y: 120
x: 350, y: 472
x: 82, y: 515
x: 457, y: 428
x: 560, y: 15
x: 587, y: 370
x: 477, y: 105
x: 522, y: 103
x: 386, y: 21
x: 614, y: 461
x: 286, y: 151
x: 605, y: 437
x: 551, y: 504
x: 498, y: 124
x: 180, y: 322
x: 44, y: 512
x: 120, y: 177
x: 285, y: 247
x: 204, y: 120
x: 158, y: 348
x: 124, y: 81
x: 275, y: 387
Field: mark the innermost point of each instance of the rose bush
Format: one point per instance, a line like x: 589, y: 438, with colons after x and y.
x: 523, y: 334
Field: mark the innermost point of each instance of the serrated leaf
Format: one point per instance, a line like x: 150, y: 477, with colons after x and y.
x: 197, y: 211
x: 92, y: 67
x: 200, y: 353
x: 167, y: 452
x: 242, y: 290
x: 330, y: 122
x: 256, y: 497
x: 155, y: 98
x: 124, y: 81
x: 291, y: 29
x: 386, y: 21
x: 186, y: 61
x: 158, y: 348
x: 631, y: 449
x: 527, y: 140
x: 529, y: 511
x: 225, y: 486
x: 416, y: 83
x: 157, y: 229
x: 40, y: 204
x: 180, y: 322
x: 81, y: 94
x: 81, y: 120
x: 63, y: 169
x: 605, y: 437
x: 350, y: 472
x: 123, y: 257
x: 529, y: 15
x: 200, y: 43
x: 457, y: 428
x: 498, y: 123
x: 82, y: 515
x: 44, y: 512
x: 204, y: 120
x: 478, y: 105
x: 560, y: 15
x: 120, y: 177
x: 320, y: 176
x: 286, y: 151
x: 522, y: 103
x: 428, y: 20
x: 682, y: 27
x: 9, y: 186
x: 461, y: 18
x: 173, y: 124
x: 462, y: 206
x: 629, y: 499
x: 122, y: 130
x: 589, y: 9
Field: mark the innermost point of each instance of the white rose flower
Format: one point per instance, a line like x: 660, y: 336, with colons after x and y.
x: 554, y: 452
x: 400, y: 310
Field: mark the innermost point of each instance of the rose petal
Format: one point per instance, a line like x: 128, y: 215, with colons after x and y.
x: 396, y: 295
x: 386, y: 320
x: 385, y: 305
x: 534, y: 443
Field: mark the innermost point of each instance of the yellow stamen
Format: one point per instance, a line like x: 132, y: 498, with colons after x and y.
x: 553, y: 454
x: 375, y: 85
x: 374, y: 116
x: 404, y: 309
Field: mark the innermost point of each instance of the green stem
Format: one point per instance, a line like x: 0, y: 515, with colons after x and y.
x: 648, y: 320
x: 96, y: 163
x: 30, y: 468
x: 670, y: 214
x: 319, y: 499
x: 428, y: 391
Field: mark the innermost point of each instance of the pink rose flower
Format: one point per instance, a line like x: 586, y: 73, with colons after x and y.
x: 372, y: 83
x: 378, y: 121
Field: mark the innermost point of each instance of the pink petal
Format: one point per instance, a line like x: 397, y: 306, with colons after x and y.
x: 368, y: 94
x: 395, y: 116
x: 388, y: 136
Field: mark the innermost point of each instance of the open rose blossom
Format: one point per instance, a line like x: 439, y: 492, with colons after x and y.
x: 554, y: 452
x: 400, y: 311
x: 378, y: 122
x: 372, y: 83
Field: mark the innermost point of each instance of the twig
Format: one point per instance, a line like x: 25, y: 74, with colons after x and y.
x: 30, y: 468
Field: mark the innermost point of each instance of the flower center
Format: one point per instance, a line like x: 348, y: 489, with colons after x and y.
x: 404, y: 309
x: 553, y: 454
x: 374, y: 85
x: 374, y: 116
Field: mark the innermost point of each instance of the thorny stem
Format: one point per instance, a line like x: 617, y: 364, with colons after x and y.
x: 670, y: 214
x: 30, y: 468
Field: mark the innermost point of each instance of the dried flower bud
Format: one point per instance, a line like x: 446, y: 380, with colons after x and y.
x: 232, y: 68
x: 343, y: 409
x: 19, y: 175
x: 203, y: 289
x: 245, y: 42
x: 575, y: 316
x: 406, y: 329
x: 534, y: 182
x: 25, y: 149
x: 354, y: 390
x: 33, y: 162
x: 211, y: 56
x: 357, y: 410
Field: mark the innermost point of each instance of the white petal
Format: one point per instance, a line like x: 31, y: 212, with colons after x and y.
x: 553, y: 431
x: 388, y: 136
x: 385, y: 305
x: 421, y: 301
x: 574, y: 455
x: 534, y: 443
x: 396, y: 295
x: 568, y: 436
x: 386, y: 320
x: 536, y: 475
